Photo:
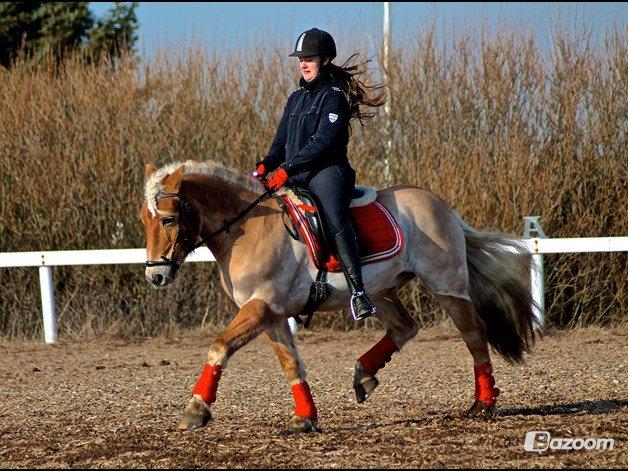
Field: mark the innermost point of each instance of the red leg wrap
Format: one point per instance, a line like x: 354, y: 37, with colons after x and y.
x: 207, y: 383
x: 303, y: 402
x: 485, y: 389
x: 380, y: 354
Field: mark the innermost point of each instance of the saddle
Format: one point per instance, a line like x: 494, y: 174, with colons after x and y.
x: 379, y: 235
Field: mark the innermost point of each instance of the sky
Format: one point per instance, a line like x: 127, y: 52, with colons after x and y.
x: 240, y: 25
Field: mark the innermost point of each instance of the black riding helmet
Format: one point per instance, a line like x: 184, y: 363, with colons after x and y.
x: 315, y: 42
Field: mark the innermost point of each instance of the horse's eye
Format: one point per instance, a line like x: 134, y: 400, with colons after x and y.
x: 168, y: 221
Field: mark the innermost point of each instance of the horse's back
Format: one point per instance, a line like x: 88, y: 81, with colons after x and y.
x: 434, y: 241
x: 428, y: 211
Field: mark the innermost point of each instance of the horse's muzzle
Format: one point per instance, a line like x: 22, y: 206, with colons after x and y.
x: 161, y: 276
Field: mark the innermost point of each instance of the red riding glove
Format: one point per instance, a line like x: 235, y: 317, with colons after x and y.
x: 260, y: 172
x: 279, y: 178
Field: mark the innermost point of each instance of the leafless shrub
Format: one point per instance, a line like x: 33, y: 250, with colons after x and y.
x: 493, y: 126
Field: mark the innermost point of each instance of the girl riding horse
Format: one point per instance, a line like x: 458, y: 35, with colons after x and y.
x: 310, y: 147
x: 481, y: 279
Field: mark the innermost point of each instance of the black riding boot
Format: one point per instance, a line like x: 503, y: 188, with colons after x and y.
x: 349, y: 257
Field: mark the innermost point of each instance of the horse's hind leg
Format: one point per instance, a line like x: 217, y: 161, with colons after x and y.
x: 400, y: 328
x: 281, y: 339
x: 473, y: 331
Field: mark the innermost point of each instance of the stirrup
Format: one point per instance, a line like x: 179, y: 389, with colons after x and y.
x: 355, y: 295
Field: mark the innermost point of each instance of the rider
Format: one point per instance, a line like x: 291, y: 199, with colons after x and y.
x: 310, y: 146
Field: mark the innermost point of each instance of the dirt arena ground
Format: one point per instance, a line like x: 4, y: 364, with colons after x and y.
x: 117, y: 404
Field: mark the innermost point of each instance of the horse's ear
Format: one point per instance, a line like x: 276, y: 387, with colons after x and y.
x: 172, y: 182
x: 150, y: 169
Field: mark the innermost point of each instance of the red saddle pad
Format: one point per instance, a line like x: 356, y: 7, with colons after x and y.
x: 379, y: 235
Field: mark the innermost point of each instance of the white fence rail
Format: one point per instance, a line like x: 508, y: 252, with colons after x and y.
x: 538, y: 247
x: 46, y: 260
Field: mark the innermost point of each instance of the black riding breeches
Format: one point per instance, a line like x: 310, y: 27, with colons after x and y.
x: 333, y: 186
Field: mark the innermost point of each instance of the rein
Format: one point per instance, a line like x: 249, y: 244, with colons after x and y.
x: 225, y: 227
x: 230, y: 222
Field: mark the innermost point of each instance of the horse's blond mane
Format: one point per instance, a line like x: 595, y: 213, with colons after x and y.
x: 154, y: 183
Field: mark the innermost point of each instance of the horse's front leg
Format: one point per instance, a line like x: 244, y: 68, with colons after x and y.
x: 253, y: 317
x: 281, y: 339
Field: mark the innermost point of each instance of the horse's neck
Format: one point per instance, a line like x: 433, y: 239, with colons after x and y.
x: 216, y: 201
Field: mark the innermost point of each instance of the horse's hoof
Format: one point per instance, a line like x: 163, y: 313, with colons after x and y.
x: 364, y: 384
x: 480, y: 409
x: 196, y: 415
x: 365, y: 388
x: 301, y: 425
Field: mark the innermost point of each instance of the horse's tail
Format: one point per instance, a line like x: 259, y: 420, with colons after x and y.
x: 499, y: 286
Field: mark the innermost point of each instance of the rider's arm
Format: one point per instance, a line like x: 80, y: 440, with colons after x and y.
x: 333, y: 123
x: 277, y: 153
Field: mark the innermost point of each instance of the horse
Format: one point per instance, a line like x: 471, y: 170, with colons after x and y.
x: 481, y: 279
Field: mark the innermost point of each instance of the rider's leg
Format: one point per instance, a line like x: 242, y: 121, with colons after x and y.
x: 349, y: 258
x: 333, y: 187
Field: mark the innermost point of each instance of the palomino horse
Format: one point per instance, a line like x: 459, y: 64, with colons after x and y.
x: 479, y: 278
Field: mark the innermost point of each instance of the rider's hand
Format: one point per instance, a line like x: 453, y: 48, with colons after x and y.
x: 279, y: 178
x: 260, y: 172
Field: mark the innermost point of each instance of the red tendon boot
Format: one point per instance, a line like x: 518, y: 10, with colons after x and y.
x: 305, y: 417
x: 485, y: 390
x: 380, y: 354
x: 364, y: 380
x: 303, y: 402
x: 198, y: 413
x: 207, y: 383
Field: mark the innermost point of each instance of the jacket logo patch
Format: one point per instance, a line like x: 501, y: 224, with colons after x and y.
x: 333, y: 117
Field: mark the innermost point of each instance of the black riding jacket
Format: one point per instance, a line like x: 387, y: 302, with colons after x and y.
x: 314, y: 130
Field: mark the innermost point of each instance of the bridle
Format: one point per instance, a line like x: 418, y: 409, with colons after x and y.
x: 185, y: 211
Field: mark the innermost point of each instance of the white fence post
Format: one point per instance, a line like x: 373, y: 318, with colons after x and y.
x: 48, y: 304
x: 532, y: 228
x: 537, y: 279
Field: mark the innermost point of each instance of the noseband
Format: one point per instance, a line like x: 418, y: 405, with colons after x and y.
x: 184, y: 211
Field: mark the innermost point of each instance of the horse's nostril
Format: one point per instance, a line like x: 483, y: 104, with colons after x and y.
x: 157, y: 279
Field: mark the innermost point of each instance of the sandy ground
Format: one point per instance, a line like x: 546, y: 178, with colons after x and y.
x: 117, y: 404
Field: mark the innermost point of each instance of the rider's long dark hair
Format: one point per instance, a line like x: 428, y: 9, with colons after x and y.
x: 347, y: 77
